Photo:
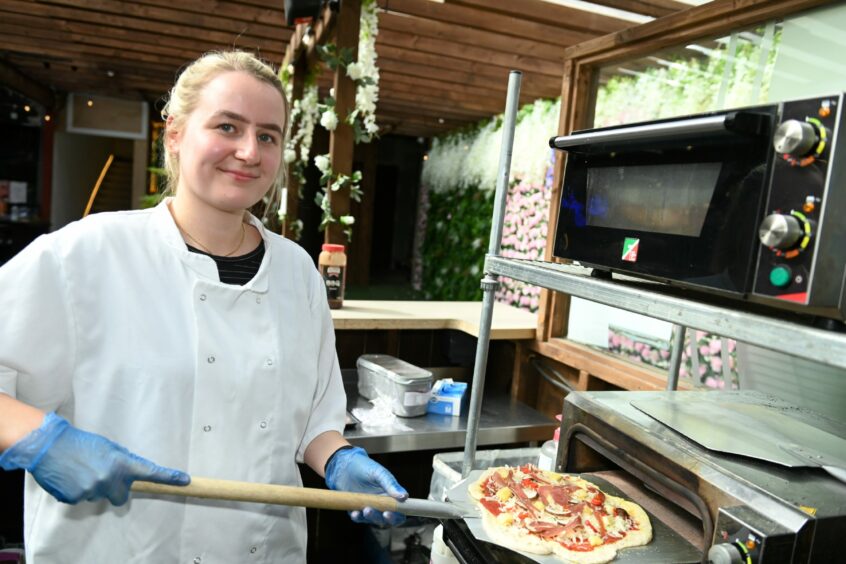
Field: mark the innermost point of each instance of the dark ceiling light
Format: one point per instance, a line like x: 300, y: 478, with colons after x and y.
x: 110, y: 73
x: 301, y: 11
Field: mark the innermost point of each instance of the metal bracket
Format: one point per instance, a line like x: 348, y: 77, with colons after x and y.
x: 489, y: 284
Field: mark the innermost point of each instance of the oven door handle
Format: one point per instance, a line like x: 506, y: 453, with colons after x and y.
x: 741, y: 122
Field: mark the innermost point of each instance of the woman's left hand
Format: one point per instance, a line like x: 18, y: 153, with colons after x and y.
x: 350, y: 469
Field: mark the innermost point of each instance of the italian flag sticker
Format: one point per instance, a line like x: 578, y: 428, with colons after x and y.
x: 630, y: 246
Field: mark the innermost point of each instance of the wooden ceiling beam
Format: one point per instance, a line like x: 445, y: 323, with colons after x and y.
x: 469, y: 36
x: 444, y: 97
x: 440, y: 47
x: 492, y: 22
x: 547, y: 13
x: 63, y: 51
x: 156, y: 15
x: 530, y: 86
x: 429, y: 108
x: 479, y: 69
x: 127, y: 40
x: 267, y: 14
x: 223, y: 39
x: 436, y: 88
x: 12, y: 23
x: 654, y: 8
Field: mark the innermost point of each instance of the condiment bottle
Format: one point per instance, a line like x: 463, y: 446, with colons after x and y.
x: 332, y: 264
x: 549, y: 451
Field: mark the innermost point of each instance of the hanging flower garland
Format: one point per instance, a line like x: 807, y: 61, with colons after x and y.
x: 304, y: 113
x: 362, y: 119
x: 366, y: 75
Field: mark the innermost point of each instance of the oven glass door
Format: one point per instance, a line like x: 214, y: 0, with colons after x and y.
x: 680, y: 208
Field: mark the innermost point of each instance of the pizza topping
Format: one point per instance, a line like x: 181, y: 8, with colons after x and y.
x: 494, y: 507
x: 554, y: 507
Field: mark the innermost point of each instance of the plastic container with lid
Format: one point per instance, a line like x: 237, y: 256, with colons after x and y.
x: 406, y: 386
x: 332, y: 264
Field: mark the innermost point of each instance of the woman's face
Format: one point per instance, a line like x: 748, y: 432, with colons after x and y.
x: 229, y: 147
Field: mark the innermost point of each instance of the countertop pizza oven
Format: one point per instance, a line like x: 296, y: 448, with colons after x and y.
x: 718, y: 483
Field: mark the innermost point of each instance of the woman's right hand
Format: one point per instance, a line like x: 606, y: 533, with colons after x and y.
x: 74, y: 465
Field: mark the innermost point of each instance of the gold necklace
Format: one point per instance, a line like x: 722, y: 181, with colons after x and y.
x: 203, y: 247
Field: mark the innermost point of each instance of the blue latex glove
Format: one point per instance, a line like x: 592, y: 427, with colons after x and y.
x: 351, y: 470
x: 73, y: 465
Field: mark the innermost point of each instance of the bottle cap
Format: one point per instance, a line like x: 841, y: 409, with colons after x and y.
x: 330, y: 248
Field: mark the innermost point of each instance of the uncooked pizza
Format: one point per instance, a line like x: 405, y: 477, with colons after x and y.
x: 544, y: 512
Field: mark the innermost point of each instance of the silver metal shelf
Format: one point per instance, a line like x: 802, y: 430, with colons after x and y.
x: 826, y: 347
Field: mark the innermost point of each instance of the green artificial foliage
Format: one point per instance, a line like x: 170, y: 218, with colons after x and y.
x: 456, y: 239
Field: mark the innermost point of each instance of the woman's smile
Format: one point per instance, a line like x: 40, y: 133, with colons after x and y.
x: 240, y: 175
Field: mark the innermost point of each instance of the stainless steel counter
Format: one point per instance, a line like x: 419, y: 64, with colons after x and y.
x: 503, y: 421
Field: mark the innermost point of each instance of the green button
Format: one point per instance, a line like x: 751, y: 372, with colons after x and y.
x: 780, y: 276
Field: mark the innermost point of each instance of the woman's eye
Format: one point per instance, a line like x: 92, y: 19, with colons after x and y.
x: 267, y: 138
x: 226, y: 127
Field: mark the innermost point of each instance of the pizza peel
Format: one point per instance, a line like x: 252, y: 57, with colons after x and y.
x: 306, y: 497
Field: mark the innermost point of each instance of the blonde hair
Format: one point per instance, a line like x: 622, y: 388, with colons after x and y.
x: 185, y: 95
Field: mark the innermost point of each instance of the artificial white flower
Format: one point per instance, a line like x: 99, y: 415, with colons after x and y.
x: 290, y: 156
x: 329, y: 120
x: 346, y: 220
x: 354, y: 71
x: 322, y: 163
x: 371, y: 127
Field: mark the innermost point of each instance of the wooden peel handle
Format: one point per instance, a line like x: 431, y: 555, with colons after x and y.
x: 269, y: 493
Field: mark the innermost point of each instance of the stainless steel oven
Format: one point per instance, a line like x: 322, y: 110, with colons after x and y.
x: 748, y: 203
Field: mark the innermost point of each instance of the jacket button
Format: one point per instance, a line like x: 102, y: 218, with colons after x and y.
x: 211, y: 360
x: 258, y: 299
x: 207, y: 428
x: 269, y: 362
x: 263, y: 424
x: 253, y: 550
x: 197, y: 560
x: 202, y: 297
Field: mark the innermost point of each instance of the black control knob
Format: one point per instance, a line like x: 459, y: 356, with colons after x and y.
x: 780, y: 231
x: 724, y: 553
x: 795, y: 138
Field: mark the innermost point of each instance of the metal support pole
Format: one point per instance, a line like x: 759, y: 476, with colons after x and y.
x: 675, y: 357
x: 489, y: 283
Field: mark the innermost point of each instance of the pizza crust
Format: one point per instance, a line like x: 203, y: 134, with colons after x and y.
x: 502, y: 530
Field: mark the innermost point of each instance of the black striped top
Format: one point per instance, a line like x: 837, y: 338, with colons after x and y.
x: 236, y: 270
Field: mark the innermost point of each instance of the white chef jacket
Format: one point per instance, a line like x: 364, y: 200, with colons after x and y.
x: 116, y: 326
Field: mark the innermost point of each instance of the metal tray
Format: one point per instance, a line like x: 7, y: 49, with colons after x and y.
x: 666, y: 544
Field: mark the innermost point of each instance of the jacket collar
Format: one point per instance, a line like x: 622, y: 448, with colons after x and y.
x: 166, y: 229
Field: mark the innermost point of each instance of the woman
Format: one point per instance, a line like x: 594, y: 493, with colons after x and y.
x: 191, y: 335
